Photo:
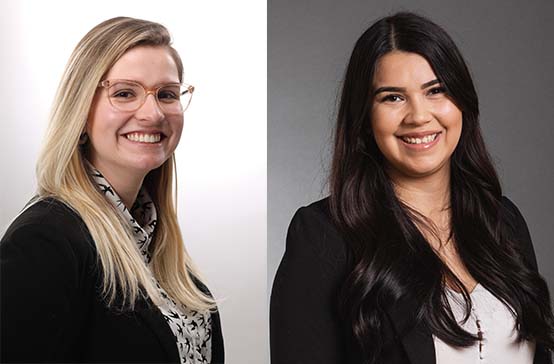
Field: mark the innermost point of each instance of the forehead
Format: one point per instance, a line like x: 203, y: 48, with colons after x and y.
x: 402, y: 69
x: 148, y: 65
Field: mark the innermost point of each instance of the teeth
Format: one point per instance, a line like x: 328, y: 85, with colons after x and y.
x: 144, y: 138
x: 426, y: 139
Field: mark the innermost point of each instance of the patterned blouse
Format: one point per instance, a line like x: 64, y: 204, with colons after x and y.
x: 192, y: 329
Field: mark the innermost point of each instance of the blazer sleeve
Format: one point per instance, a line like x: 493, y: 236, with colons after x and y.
x: 304, y: 325
x: 520, y: 230
x: 40, y: 309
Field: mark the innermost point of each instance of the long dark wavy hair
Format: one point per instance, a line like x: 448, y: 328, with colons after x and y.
x: 391, y: 259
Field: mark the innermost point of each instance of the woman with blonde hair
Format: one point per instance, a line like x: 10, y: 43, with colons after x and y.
x: 94, y: 269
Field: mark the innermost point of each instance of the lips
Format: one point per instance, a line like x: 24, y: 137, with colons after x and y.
x: 425, y: 139
x: 145, y: 137
x: 420, y: 141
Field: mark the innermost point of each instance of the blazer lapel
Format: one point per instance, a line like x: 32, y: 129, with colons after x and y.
x: 156, y: 321
x: 416, y: 339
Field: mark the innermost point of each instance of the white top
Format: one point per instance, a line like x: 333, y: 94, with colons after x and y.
x: 497, y: 325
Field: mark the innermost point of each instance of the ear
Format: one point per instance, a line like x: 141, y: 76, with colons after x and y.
x: 83, y: 139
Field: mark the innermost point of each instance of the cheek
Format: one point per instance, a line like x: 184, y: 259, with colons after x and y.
x: 102, y: 119
x: 383, y: 123
x: 451, y: 119
x: 450, y: 115
x: 96, y: 115
x: 177, y: 126
x: 384, y: 126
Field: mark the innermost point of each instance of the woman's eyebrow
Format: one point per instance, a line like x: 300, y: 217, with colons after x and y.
x: 388, y: 89
x: 430, y: 83
x: 402, y: 89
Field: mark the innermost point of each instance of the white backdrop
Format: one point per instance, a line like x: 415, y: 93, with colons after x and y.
x: 221, y: 158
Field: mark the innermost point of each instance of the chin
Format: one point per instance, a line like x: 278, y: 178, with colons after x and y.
x: 417, y: 170
x: 425, y: 170
x: 420, y: 173
x: 146, y: 166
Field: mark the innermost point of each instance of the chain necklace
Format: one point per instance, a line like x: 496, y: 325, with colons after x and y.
x: 480, y: 336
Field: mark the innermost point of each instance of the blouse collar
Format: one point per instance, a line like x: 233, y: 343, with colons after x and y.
x: 143, y: 209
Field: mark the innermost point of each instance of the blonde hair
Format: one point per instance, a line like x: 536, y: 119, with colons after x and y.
x: 61, y: 173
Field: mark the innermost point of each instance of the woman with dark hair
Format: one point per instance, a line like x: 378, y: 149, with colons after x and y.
x: 416, y: 256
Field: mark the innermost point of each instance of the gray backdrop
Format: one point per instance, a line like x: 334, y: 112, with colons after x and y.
x: 508, y: 46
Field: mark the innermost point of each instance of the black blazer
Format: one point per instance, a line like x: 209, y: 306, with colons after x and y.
x: 51, y: 310
x: 304, y: 322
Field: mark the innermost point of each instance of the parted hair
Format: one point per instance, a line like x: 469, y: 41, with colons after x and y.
x: 62, y: 174
x: 391, y: 258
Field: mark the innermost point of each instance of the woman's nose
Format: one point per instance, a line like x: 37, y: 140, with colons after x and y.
x: 418, y: 112
x: 150, y: 109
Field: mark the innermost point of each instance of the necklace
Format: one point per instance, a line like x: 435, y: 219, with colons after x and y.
x: 479, y: 333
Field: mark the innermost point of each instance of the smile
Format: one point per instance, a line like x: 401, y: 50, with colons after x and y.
x: 421, y: 142
x: 144, y: 138
x: 426, y: 139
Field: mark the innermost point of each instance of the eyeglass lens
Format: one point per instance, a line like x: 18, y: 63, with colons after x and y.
x: 128, y: 96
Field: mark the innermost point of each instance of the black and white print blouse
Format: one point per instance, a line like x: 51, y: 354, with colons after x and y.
x: 192, y: 329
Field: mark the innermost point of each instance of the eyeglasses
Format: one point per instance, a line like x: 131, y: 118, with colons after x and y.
x: 127, y: 95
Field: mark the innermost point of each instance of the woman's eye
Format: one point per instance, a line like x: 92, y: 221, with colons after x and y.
x: 437, y: 90
x: 392, y: 98
x: 167, y: 95
x: 124, y: 94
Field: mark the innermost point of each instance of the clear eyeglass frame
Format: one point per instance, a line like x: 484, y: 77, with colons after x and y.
x: 175, y: 106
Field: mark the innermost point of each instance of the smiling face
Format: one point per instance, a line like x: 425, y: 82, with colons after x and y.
x: 415, y: 123
x: 134, y: 143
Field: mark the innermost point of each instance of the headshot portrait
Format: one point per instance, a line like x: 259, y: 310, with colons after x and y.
x: 133, y: 223
x: 410, y: 215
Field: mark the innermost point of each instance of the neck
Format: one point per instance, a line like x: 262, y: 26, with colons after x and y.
x: 126, y: 185
x: 429, y: 195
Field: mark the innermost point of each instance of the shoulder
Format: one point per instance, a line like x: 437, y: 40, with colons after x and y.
x: 46, y: 211
x: 517, y: 230
x: 313, y: 237
x: 48, y: 220
x: 512, y: 217
x: 314, y: 220
x: 318, y: 210
x: 510, y: 209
